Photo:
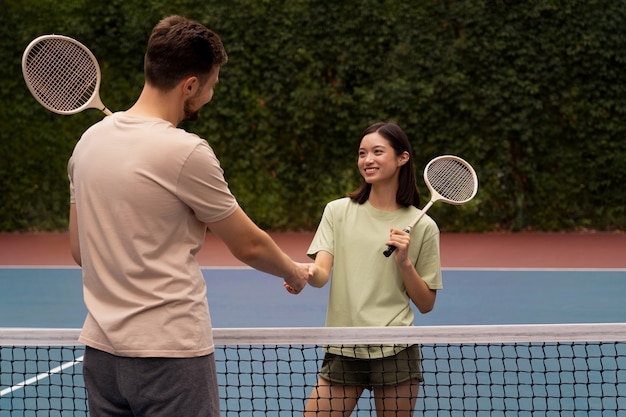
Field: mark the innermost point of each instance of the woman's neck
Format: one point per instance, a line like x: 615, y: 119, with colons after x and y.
x: 384, y: 199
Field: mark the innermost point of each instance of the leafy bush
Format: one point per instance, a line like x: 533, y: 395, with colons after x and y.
x: 529, y: 92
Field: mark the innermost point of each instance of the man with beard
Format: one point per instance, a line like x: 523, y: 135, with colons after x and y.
x: 143, y: 193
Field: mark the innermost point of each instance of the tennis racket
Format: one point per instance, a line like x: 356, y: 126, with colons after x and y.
x: 62, y: 74
x: 449, y: 179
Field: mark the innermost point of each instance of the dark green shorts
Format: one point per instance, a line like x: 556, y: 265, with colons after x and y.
x: 391, y: 370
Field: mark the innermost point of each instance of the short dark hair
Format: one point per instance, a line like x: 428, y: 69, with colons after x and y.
x: 408, y: 193
x: 179, y: 47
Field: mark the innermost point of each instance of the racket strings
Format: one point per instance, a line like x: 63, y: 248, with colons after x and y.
x: 451, y: 179
x: 62, y: 74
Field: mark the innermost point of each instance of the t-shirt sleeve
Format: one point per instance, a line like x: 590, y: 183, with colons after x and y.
x: 428, y: 263
x: 323, y: 238
x: 70, y: 167
x: 203, y: 188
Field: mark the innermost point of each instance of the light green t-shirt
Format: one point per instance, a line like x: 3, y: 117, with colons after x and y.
x: 367, y: 287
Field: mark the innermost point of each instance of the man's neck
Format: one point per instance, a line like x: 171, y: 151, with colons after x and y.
x: 155, y: 103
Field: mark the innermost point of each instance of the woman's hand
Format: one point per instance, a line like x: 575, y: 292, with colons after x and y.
x: 401, y: 240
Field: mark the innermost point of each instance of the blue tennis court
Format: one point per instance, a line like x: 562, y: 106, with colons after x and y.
x: 52, y: 297
x: 503, y: 379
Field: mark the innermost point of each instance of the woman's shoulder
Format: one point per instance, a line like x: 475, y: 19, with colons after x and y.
x: 340, y: 202
x: 427, y: 224
x: 343, y: 204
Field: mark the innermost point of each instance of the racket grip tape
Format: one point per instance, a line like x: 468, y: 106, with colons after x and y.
x: 392, y: 248
x: 389, y: 251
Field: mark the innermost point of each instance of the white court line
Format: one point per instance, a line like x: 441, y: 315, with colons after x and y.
x: 533, y: 269
x: 39, y: 267
x: 40, y: 376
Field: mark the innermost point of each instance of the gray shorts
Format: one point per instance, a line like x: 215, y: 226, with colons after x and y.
x: 391, y: 370
x: 155, y: 387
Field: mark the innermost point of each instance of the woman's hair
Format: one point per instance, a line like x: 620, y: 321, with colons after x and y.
x: 179, y: 48
x: 408, y: 194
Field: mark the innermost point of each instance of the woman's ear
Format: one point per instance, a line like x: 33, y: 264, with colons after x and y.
x: 404, y: 158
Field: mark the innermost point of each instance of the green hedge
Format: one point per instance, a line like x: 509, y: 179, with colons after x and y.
x: 531, y: 93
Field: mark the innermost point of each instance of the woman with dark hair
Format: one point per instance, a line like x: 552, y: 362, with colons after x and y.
x: 368, y: 289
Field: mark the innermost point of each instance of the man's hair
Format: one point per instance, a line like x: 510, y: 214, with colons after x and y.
x: 178, y: 48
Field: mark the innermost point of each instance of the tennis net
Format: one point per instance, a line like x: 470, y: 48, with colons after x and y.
x: 502, y: 370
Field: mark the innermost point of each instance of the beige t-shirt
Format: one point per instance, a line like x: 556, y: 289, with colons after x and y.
x: 144, y: 191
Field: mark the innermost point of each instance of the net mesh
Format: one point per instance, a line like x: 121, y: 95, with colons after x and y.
x: 452, y: 179
x: 547, y: 370
x: 61, y: 74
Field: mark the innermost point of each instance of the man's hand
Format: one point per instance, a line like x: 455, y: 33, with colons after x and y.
x: 299, y: 281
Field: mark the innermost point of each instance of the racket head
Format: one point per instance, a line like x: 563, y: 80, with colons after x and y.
x: 450, y: 179
x: 62, y: 74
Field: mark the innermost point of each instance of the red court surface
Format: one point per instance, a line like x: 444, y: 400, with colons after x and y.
x: 490, y: 250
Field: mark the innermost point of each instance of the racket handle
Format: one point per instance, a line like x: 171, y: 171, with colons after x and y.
x: 391, y: 248
x: 389, y: 251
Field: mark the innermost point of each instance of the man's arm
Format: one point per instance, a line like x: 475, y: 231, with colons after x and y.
x: 253, y: 246
x: 74, y: 242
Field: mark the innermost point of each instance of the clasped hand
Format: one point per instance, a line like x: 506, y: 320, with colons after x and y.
x: 297, y: 284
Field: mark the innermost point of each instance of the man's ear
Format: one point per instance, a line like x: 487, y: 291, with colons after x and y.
x: 190, y: 86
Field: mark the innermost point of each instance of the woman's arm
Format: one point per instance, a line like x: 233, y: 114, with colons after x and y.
x: 324, y: 263
x: 422, y: 296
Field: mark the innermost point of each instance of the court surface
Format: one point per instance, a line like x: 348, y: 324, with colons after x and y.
x: 52, y: 297
x: 488, y: 279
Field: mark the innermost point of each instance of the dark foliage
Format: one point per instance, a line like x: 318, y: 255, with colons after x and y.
x: 531, y: 93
